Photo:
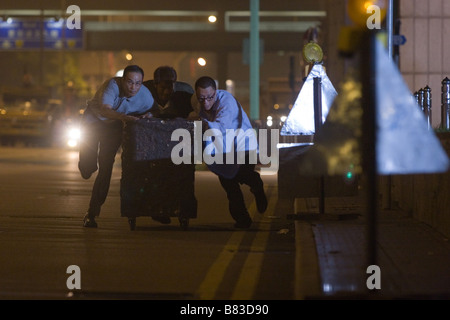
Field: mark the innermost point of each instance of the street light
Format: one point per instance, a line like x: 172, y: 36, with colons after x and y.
x: 201, y: 61
x: 357, y: 10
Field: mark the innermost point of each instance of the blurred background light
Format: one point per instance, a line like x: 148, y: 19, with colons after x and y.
x: 201, y: 61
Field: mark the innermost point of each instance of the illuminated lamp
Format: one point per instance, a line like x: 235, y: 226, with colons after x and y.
x: 360, y: 11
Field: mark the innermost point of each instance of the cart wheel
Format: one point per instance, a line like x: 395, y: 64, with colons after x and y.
x: 184, y: 223
x: 132, y: 223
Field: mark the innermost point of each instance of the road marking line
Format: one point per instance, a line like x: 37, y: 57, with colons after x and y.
x: 210, y: 284
x: 251, y: 270
x: 247, y: 280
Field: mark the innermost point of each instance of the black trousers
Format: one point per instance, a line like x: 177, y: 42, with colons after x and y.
x: 101, y: 141
x: 246, y: 175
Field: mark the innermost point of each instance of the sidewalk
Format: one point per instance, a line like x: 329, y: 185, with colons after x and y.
x: 414, y: 259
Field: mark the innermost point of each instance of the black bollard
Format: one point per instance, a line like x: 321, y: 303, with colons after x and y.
x: 427, y: 105
x: 420, y: 97
x: 416, y: 96
x: 445, y: 104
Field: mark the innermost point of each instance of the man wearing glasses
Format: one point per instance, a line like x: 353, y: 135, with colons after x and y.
x: 220, y: 111
x: 119, y: 100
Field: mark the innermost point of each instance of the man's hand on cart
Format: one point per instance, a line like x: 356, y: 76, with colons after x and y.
x: 147, y: 115
x: 128, y: 118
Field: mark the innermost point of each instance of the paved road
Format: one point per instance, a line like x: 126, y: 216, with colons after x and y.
x: 42, y: 202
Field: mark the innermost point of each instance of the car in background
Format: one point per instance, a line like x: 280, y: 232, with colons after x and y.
x: 29, y: 116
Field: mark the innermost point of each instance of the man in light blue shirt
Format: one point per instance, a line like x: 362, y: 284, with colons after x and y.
x: 119, y: 100
x: 222, y: 114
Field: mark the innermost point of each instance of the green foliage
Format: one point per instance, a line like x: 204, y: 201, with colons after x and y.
x: 52, y: 69
x: 63, y: 71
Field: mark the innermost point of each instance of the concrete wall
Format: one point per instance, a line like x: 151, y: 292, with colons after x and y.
x: 424, y: 196
x: 424, y: 61
x: 425, y: 55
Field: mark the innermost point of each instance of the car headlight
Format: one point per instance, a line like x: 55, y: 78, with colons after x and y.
x: 74, y: 133
x: 73, y: 137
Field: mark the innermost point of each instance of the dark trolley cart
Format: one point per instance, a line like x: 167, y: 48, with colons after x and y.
x: 151, y: 184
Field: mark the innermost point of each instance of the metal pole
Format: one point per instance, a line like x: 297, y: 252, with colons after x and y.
x: 427, y: 105
x: 390, y: 27
x: 369, y: 139
x: 317, y: 84
x: 63, y: 53
x: 254, y: 59
x: 390, y: 45
x: 445, y: 104
x: 41, y: 47
x: 421, y: 98
x: 318, y: 124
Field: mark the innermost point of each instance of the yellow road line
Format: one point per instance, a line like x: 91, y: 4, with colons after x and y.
x: 210, y: 284
x: 250, y: 273
x: 251, y: 270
